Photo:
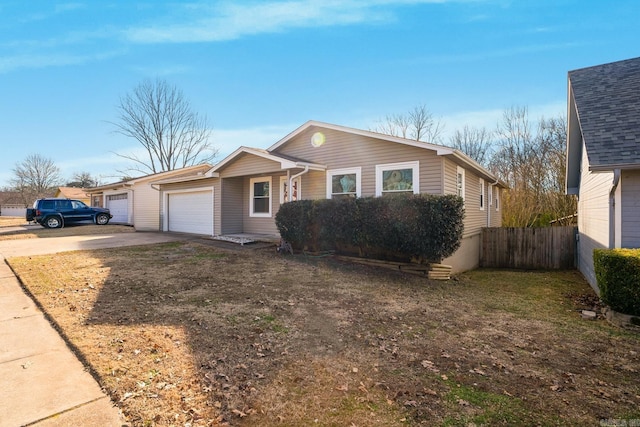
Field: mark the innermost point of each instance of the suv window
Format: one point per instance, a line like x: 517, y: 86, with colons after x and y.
x: 63, y: 204
x: 46, y: 204
x: 77, y: 204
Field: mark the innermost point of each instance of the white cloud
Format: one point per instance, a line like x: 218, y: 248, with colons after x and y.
x: 230, y: 20
x: 10, y: 63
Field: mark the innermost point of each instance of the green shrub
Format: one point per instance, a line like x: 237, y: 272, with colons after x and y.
x: 618, y: 275
x: 424, y: 227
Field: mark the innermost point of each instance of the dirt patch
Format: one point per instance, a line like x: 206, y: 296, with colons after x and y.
x: 183, y: 333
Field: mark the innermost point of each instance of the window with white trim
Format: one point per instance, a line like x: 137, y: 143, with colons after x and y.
x: 497, y: 198
x: 284, y: 189
x: 394, y: 178
x: 343, y: 183
x: 481, y: 183
x: 460, y: 182
x: 260, y: 197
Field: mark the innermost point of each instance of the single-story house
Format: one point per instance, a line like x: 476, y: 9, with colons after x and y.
x: 74, y: 193
x: 240, y: 195
x: 603, y: 157
x: 137, y: 201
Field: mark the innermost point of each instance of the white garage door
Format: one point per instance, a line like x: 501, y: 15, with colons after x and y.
x: 118, y: 205
x: 191, y: 212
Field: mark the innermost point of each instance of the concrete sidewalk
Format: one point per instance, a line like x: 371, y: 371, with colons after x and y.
x: 42, y: 383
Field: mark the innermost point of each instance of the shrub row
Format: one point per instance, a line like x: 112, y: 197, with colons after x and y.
x: 423, y: 227
x: 618, y: 276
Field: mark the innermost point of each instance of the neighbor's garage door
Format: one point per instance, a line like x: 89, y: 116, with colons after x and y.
x: 118, y: 205
x: 191, y: 212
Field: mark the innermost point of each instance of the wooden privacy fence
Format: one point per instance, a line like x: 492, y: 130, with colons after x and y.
x: 529, y: 248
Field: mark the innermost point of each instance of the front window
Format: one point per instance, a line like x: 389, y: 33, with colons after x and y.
x: 260, y: 203
x: 343, y: 183
x: 393, y: 178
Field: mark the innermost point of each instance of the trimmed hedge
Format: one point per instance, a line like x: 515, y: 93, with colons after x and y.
x: 618, y: 275
x: 423, y: 227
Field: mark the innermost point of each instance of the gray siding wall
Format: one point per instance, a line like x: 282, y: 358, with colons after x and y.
x: 593, y: 217
x: 630, y: 186
x: 259, y: 224
x: 231, y: 204
x: 344, y: 150
x: 248, y: 164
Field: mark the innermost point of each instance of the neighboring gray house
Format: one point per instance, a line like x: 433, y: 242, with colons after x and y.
x: 603, y: 157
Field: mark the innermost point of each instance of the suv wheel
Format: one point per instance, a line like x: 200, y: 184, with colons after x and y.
x: 52, y: 222
x: 102, y: 219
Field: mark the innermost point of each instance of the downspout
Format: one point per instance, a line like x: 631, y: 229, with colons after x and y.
x: 612, y: 209
x: 292, y: 178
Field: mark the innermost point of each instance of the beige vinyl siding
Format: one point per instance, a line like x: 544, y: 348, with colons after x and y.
x: 249, y: 164
x: 232, y: 205
x: 146, y: 207
x: 345, y: 150
x: 474, y: 218
x: 630, y: 186
x: 314, y: 185
x: 593, y: 216
x: 495, y: 215
x: 450, y: 177
x: 261, y: 225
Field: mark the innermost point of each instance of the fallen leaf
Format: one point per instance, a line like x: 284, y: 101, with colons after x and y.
x: 239, y: 413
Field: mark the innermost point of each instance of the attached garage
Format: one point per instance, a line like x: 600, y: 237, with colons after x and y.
x: 190, y: 212
x: 118, y: 205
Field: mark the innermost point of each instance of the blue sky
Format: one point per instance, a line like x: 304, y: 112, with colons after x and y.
x: 260, y: 69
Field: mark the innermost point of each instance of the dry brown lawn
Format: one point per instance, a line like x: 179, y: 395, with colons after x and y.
x: 202, y: 334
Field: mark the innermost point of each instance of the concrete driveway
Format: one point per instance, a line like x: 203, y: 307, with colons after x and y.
x: 49, y: 245
x: 42, y: 382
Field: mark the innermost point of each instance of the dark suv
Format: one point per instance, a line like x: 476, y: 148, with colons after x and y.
x: 54, y: 213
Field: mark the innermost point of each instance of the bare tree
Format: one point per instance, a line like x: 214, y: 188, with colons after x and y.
x: 83, y: 180
x: 533, y: 165
x: 160, y: 118
x: 418, y: 124
x: 474, y: 142
x: 35, y: 177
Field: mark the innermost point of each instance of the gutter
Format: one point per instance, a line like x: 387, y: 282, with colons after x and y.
x: 291, y: 178
x: 612, y: 209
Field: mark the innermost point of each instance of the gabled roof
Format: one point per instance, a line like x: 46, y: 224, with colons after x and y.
x: 286, y: 162
x: 454, y: 154
x: 607, y: 101
x: 71, y: 193
x: 190, y: 170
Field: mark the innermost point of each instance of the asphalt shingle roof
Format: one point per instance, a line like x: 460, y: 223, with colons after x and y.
x: 607, y: 99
